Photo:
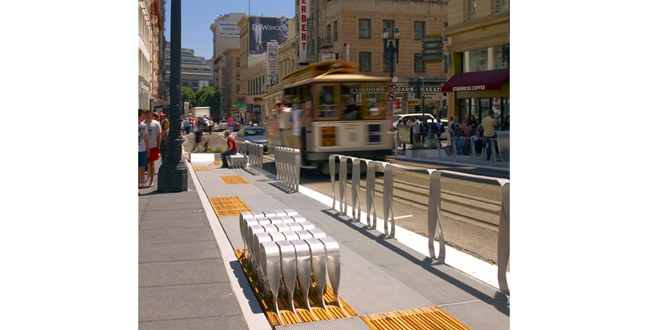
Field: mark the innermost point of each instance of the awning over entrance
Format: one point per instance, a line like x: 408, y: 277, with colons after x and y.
x: 476, y: 81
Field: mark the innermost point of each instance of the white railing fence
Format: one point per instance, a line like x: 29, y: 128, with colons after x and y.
x: 434, y: 204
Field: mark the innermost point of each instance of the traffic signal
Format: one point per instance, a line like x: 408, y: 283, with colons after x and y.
x: 417, y: 88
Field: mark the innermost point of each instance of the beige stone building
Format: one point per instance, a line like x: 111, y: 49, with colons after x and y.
x: 336, y: 26
x: 478, y: 47
x: 254, y: 69
x: 232, y: 76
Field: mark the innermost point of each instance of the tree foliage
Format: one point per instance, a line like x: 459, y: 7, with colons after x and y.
x: 187, y: 95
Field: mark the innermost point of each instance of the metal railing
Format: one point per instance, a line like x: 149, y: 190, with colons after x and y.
x: 282, y: 248
x: 434, y: 205
x: 255, y: 154
x: 287, y: 162
x: 237, y: 161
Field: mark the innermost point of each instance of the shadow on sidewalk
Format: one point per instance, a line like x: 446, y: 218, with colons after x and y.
x: 427, y: 263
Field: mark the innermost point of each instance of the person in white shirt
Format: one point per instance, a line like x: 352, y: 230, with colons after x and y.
x: 284, y: 120
x: 416, y: 130
x: 143, y: 148
x: 295, y: 125
x: 154, y: 141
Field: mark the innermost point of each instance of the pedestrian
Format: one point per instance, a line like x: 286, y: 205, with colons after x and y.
x: 186, y: 125
x: 488, y: 125
x: 143, y: 148
x: 283, y: 109
x: 416, y: 130
x: 434, y: 129
x: 507, y: 124
x: 296, y: 125
x: 230, y: 123
x: 466, y: 131
x: 440, y: 128
x: 154, y: 141
x: 165, y: 126
x: 455, y: 133
x: 198, y: 136
x: 231, y: 149
x: 305, y: 121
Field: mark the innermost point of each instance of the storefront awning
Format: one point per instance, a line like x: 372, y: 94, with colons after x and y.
x: 476, y: 81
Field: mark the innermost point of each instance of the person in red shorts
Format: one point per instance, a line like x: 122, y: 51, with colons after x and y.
x: 154, y: 141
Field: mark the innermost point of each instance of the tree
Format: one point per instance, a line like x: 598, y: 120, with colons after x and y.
x: 187, y: 95
x: 201, y: 101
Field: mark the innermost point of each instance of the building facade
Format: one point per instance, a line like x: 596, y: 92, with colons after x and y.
x: 146, y: 54
x: 351, y: 30
x: 253, y: 65
x: 479, y: 50
x: 196, y: 71
x: 231, y: 79
x: 226, y: 33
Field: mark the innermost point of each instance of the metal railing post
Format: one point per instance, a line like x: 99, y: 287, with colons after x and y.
x: 388, y: 195
x: 332, y: 174
x: 296, y: 169
x: 342, y: 184
x: 434, y: 216
x: 370, y: 186
x: 503, y: 237
x: 396, y: 142
x: 356, y: 184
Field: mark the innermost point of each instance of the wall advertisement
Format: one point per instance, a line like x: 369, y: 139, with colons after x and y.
x: 264, y: 29
x: 272, y: 63
x: 228, y: 30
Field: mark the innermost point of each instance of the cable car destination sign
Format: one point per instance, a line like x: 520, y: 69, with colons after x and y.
x: 432, y: 48
x: 399, y: 89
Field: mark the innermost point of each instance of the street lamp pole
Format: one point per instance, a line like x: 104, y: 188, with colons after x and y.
x: 173, y: 173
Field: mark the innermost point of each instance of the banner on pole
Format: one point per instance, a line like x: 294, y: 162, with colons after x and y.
x: 304, y: 15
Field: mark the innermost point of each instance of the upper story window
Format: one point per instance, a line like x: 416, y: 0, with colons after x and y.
x: 389, y: 27
x: 471, y: 9
x: 335, y: 30
x: 419, y: 30
x: 364, y: 31
x: 501, y: 5
x: 237, y: 62
x: 491, y: 58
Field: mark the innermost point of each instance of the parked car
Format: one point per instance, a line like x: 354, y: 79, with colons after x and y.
x: 223, y: 125
x: 253, y: 135
x: 236, y: 126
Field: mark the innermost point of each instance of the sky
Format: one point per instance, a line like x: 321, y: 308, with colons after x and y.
x: 198, y: 15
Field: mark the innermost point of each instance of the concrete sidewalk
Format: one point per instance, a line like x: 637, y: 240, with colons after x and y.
x: 182, y: 277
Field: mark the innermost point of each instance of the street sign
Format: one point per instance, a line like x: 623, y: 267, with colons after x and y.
x: 391, y: 87
x: 240, y: 105
x: 433, y: 51
x: 432, y: 57
x: 435, y: 45
x: 391, y: 97
x: 432, y: 38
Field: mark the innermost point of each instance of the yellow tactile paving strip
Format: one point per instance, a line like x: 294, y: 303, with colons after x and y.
x: 201, y: 168
x: 233, y: 179
x: 217, y: 162
x: 421, y: 318
x: 226, y: 206
x: 301, y: 309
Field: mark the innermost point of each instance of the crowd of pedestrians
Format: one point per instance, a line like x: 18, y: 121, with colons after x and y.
x: 480, y: 133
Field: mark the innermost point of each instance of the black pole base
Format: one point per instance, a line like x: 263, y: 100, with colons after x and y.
x: 173, y: 173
